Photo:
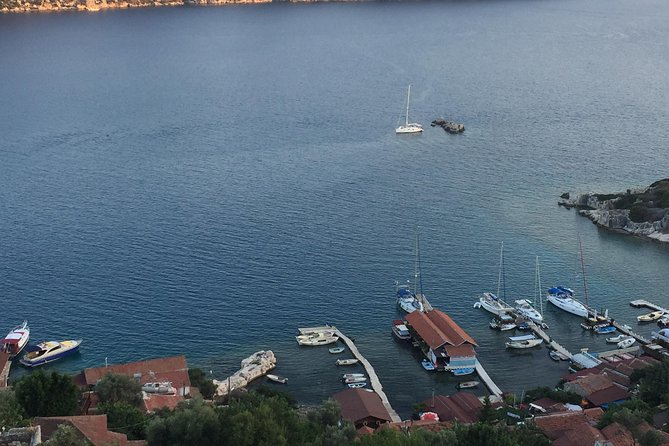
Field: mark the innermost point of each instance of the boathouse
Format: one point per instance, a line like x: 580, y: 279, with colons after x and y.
x: 362, y: 408
x: 448, y: 346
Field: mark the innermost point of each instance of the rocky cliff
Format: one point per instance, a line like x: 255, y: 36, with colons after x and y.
x: 97, y: 5
x: 642, y: 212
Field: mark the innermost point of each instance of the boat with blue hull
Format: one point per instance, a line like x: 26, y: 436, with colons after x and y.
x: 49, y: 351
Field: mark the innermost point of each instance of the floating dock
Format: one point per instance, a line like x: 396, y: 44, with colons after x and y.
x: 641, y: 303
x: 373, y: 378
x: 490, y: 384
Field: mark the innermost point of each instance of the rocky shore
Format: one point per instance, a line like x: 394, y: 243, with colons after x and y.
x: 641, y: 212
x: 255, y: 366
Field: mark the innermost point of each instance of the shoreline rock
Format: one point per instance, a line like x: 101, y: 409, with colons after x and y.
x: 253, y: 367
x: 622, y: 212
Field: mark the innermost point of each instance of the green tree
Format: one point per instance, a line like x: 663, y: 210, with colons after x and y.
x: 488, y: 414
x: 199, y: 379
x: 11, y: 412
x: 651, y: 437
x: 126, y: 419
x: 66, y: 435
x: 193, y: 423
x: 119, y: 389
x: 42, y: 395
x: 638, y: 408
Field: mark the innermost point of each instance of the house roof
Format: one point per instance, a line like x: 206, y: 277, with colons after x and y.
x: 464, y: 407
x: 153, y: 402
x: 608, y: 395
x: 91, y: 427
x: 586, y: 385
x: 618, y: 435
x: 358, y: 404
x: 437, y: 328
x: 173, y: 369
x: 568, y: 429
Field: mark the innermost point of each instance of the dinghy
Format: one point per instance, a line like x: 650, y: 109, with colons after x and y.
x: 346, y: 361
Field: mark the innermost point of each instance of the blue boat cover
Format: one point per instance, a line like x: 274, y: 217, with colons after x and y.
x: 32, y: 348
x: 402, y: 292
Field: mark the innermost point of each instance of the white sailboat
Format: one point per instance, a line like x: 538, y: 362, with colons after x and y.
x: 525, y: 307
x: 563, y: 297
x: 491, y: 302
x: 407, y: 299
x: 408, y: 127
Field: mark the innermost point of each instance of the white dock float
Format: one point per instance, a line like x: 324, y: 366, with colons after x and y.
x: 373, y: 378
x: 490, y: 384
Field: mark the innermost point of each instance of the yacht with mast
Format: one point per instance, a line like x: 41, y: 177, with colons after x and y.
x: 525, y: 308
x: 407, y: 299
x: 563, y: 297
x: 491, y: 302
x: 408, y: 127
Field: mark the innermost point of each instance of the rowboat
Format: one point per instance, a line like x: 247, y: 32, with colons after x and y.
x: 346, y: 361
x: 468, y: 384
x: 336, y: 350
x: 277, y: 379
x: 655, y: 315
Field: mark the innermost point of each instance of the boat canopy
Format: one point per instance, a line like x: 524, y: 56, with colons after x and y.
x: 33, y: 348
x: 10, y: 341
x: 522, y: 338
x: 404, y: 292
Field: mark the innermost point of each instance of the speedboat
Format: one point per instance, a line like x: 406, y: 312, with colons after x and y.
x: 356, y: 385
x: 616, y: 339
x: 563, y: 298
x: 354, y: 379
x: 316, y: 339
x: 493, y: 304
x: 401, y: 331
x: 407, y: 300
x: 427, y: 365
x: 626, y: 343
x: 335, y: 350
x: 16, y: 340
x: 277, y: 378
x: 162, y: 388
x: 524, y: 308
x: 468, y: 384
x: 650, y: 317
x: 49, y: 351
x: 346, y: 361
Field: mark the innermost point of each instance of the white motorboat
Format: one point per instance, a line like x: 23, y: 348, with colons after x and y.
x: 354, y: 379
x: 346, y: 361
x: 401, y: 331
x: 277, y: 378
x: 357, y: 385
x: 16, y: 340
x: 162, y: 388
x: 626, y: 343
x: 525, y: 309
x: 316, y: 339
x: 563, y: 298
x: 468, y: 384
x: 503, y: 323
x: 352, y: 375
x: 408, y: 127
x: 650, y: 317
x: 336, y: 350
x: 49, y: 351
x: 493, y: 304
x: 525, y: 341
x: 616, y: 339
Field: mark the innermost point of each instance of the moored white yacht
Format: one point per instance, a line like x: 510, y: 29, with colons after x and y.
x: 524, y: 308
x: 407, y: 300
x: 563, y: 298
x: 16, y: 340
x: 493, y: 304
x: 408, y: 127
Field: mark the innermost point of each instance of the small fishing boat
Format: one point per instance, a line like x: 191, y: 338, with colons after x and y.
x: 336, y: 350
x: 625, y: 343
x: 427, y: 365
x: 463, y: 371
x: 357, y: 386
x: 521, y: 342
x: 605, y: 329
x: 15, y: 340
x: 650, y: 317
x: 557, y: 356
x: 352, y: 375
x: 162, y: 388
x: 401, y: 331
x: 346, y: 361
x: 503, y: 323
x: 616, y: 339
x: 277, y: 378
x: 468, y: 384
x: 49, y: 351
x: 355, y: 379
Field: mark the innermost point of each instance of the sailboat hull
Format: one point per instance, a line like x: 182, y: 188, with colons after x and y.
x: 569, y: 305
x: 408, y: 129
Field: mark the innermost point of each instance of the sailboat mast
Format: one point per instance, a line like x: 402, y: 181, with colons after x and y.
x: 541, y: 301
x: 415, y: 267
x: 420, y: 277
x: 407, y: 113
x: 501, y: 265
x: 585, y: 285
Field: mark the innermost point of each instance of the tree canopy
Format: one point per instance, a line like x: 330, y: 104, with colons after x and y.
x: 42, y: 395
x: 119, y: 389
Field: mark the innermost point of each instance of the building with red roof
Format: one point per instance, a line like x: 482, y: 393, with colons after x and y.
x: 362, y: 408
x: 448, y: 346
x: 463, y: 407
x: 91, y: 427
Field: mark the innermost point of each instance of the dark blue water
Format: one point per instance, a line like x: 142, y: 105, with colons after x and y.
x: 206, y: 180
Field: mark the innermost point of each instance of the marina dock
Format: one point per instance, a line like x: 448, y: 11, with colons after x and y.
x: 490, y: 384
x: 373, y: 378
x: 551, y: 343
x: 641, y: 303
x: 5, y: 365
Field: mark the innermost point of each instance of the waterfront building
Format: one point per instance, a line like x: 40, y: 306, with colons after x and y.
x: 362, y: 408
x: 445, y: 344
x: 463, y: 407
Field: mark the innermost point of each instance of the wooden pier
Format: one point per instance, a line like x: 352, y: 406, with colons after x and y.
x: 490, y: 384
x: 551, y: 343
x: 641, y: 303
x: 5, y: 365
x: 373, y: 378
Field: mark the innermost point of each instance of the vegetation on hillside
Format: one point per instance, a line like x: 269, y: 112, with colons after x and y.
x: 650, y: 205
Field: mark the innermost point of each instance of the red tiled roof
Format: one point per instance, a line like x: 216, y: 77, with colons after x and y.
x: 92, y: 427
x: 358, y: 404
x: 153, y: 402
x: 568, y: 429
x: 173, y: 369
x: 463, y: 406
x: 460, y: 350
x: 618, y: 435
x: 608, y: 395
x: 437, y: 328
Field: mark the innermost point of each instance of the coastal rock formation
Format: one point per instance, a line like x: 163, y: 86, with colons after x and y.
x: 642, y: 212
x: 97, y: 5
x: 255, y: 366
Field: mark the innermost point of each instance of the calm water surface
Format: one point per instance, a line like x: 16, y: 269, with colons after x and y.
x: 206, y: 180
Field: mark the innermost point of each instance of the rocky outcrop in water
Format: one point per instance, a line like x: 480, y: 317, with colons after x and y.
x: 641, y: 212
x: 255, y: 366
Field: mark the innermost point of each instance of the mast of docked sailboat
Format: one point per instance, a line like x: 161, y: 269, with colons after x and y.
x: 501, y: 265
x: 538, y: 290
x: 406, y: 116
x: 585, y: 285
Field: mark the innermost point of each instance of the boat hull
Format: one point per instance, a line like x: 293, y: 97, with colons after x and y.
x: 569, y: 305
x: 51, y: 358
x: 493, y: 306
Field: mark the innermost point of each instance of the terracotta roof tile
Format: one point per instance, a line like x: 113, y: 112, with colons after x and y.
x: 172, y: 369
x: 92, y: 427
x: 358, y: 404
x: 464, y: 407
x: 436, y: 328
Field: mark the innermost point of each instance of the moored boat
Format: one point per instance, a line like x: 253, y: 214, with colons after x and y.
x: 463, y: 371
x: 605, y: 329
x: 626, y: 342
x: 557, y: 356
x: 427, y: 365
x: 650, y: 317
x: 49, y: 351
x: 277, y: 378
x: 401, y: 331
x: 521, y: 342
x: 616, y: 339
x: 16, y: 340
x: 352, y: 375
x: 525, y: 309
x: 162, y: 388
x: 335, y: 350
x: 354, y: 379
x: 357, y: 385
x: 316, y: 339
x: 490, y: 302
x: 503, y: 323
x: 468, y: 384
x: 350, y: 361
x: 563, y: 298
